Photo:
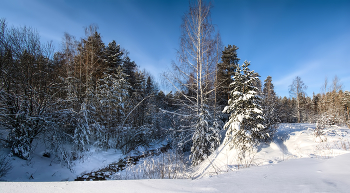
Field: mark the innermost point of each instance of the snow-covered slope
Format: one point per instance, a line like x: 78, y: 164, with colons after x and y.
x: 290, y: 142
x: 305, y: 164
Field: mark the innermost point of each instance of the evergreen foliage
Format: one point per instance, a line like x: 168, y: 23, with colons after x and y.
x: 113, y: 55
x: 245, y: 127
x: 270, y: 104
x: 86, y: 94
x: 225, y: 72
x: 206, y: 138
x: 89, y: 94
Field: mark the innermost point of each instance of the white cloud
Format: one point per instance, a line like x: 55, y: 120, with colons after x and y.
x: 304, y: 69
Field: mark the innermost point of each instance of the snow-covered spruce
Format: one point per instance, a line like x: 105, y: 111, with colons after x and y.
x: 206, y: 137
x: 112, y: 91
x: 245, y: 127
x: 270, y: 105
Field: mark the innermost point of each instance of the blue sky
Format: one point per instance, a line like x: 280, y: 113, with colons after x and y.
x: 283, y: 39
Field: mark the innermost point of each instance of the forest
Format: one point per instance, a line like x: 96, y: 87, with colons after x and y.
x: 90, y: 93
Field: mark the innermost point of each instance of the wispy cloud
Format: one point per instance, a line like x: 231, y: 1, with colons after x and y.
x: 303, y: 69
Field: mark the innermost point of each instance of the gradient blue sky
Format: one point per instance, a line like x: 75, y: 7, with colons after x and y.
x: 283, y: 39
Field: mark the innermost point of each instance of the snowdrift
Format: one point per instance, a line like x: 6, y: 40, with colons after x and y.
x: 291, y: 141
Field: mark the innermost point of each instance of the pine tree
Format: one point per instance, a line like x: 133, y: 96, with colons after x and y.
x: 225, y: 72
x: 245, y: 127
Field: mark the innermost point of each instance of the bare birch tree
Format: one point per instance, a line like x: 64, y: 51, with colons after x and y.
x: 194, y: 75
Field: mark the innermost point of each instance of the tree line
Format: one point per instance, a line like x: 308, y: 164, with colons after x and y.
x: 85, y: 95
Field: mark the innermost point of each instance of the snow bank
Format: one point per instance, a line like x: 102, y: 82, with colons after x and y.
x: 305, y: 164
x: 298, y: 175
x: 290, y: 142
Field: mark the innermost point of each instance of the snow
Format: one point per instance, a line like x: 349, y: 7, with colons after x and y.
x: 257, y: 111
x: 298, y: 175
x: 296, y: 161
x: 291, y: 141
x: 43, y: 169
x: 240, y: 118
x: 248, y: 96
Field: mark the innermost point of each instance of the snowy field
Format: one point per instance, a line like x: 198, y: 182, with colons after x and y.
x: 295, y: 161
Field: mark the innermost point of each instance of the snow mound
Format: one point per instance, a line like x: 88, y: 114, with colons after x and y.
x: 291, y: 141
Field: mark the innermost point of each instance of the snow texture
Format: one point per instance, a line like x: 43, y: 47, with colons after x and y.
x: 295, y: 161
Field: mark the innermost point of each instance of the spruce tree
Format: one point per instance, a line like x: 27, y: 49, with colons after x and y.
x: 283, y: 111
x: 245, y: 127
x: 112, y: 93
x: 113, y: 55
x: 151, y: 104
x: 206, y: 138
x: 129, y: 68
x: 270, y: 104
x: 81, y: 131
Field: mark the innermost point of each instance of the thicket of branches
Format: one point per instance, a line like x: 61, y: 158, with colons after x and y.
x: 86, y: 94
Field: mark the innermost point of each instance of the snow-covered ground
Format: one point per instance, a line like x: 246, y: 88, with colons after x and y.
x: 294, y: 161
x: 291, y: 141
x: 43, y: 169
